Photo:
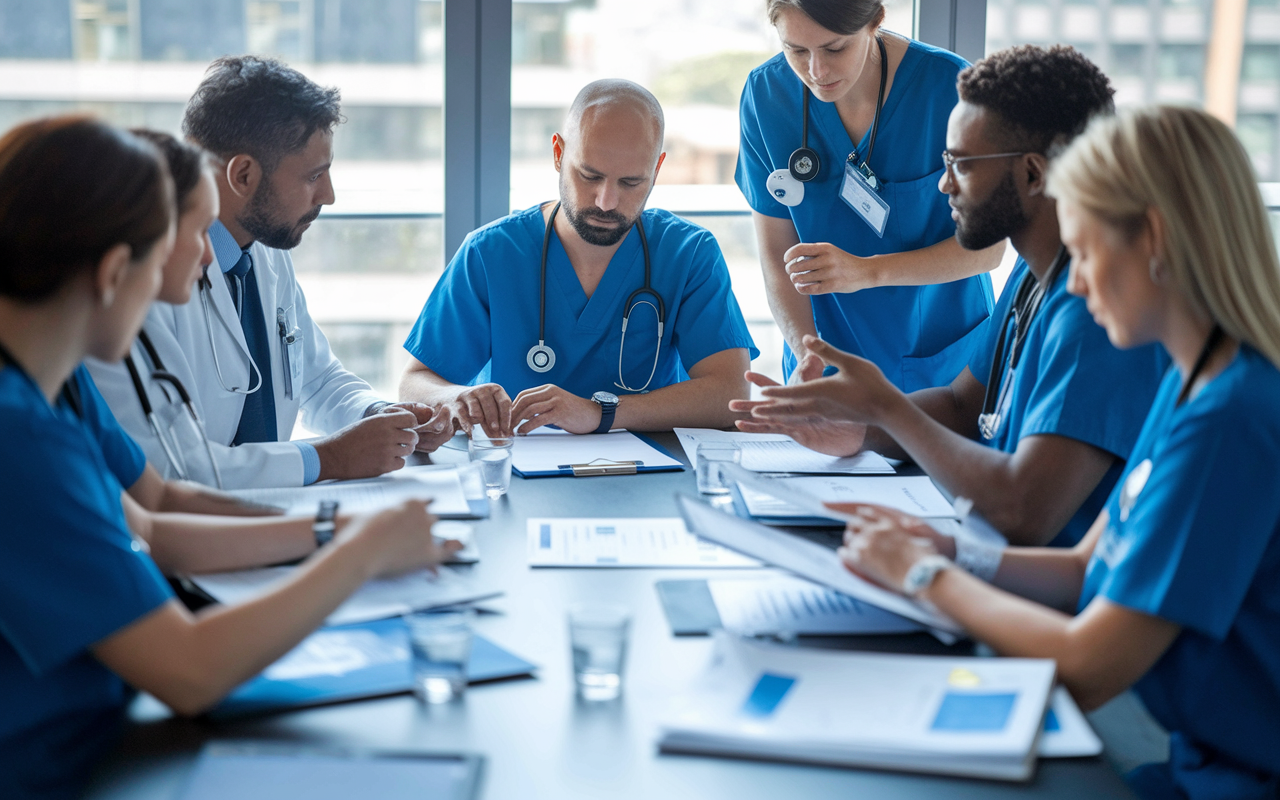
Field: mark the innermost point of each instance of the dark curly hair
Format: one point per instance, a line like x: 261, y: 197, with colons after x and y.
x: 1044, y: 95
x: 260, y: 107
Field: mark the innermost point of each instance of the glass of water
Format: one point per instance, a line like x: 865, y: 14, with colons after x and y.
x: 709, y: 456
x: 598, y: 634
x: 494, y: 458
x: 441, y: 645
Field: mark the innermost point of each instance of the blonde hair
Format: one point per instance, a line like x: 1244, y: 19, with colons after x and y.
x: 1188, y: 166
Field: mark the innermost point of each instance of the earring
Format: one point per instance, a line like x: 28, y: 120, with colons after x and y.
x: 1157, y: 271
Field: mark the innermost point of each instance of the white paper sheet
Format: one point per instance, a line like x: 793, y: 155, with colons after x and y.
x: 377, y: 599
x: 806, y: 559
x: 772, y: 452
x: 547, y: 450
x: 374, y: 494
x: 783, y: 604
x: 624, y: 543
x: 913, y: 494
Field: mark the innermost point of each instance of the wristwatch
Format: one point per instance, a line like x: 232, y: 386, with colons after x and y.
x: 325, y: 524
x: 922, y: 574
x: 608, y: 403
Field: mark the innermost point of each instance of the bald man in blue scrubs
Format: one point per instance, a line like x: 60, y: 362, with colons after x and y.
x: 532, y: 306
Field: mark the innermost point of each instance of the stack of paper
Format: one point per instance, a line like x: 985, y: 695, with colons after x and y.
x: 549, y: 452
x: 657, y: 542
x: 771, y: 452
x: 979, y: 717
x: 377, y: 599
x: 439, y: 484
x: 914, y: 495
x: 785, y: 605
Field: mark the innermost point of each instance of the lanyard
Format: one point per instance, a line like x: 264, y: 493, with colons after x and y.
x: 865, y: 166
x: 1026, y: 304
x: 1210, y: 344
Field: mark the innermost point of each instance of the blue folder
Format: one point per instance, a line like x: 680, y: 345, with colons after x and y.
x: 606, y: 467
x: 352, y: 662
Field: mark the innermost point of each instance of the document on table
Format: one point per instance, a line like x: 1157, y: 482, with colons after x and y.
x: 624, y: 543
x: 440, y: 484
x: 783, y: 604
x: 806, y: 559
x: 555, y: 452
x: 377, y: 599
x: 913, y: 494
x: 980, y: 717
x: 771, y: 452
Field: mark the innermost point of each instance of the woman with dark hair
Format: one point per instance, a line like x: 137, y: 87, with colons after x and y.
x: 842, y: 136
x: 86, y: 224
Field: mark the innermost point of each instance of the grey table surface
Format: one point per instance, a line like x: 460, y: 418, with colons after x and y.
x: 538, y: 739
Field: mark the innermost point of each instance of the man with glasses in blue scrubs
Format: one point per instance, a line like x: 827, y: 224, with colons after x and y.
x: 1037, y: 429
x: 591, y: 312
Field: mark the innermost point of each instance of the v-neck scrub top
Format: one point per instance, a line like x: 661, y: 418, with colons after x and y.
x: 482, y: 317
x: 1200, y: 547
x: 920, y: 336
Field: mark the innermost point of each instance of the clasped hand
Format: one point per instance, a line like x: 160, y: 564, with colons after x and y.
x: 825, y: 269
x: 489, y: 406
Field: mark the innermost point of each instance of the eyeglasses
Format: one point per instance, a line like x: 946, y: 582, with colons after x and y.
x: 950, y: 161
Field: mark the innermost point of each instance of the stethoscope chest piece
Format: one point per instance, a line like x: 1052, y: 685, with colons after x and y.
x: 804, y: 164
x: 541, y: 358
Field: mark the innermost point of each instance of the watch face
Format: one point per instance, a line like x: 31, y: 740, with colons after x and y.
x: 605, y: 398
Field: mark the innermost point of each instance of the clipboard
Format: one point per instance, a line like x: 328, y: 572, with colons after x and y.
x: 595, y: 467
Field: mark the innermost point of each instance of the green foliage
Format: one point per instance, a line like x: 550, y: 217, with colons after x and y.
x: 714, y: 80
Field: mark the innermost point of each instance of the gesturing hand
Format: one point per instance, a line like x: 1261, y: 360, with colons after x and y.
x: 551, y: 405
x: 487, y: 405
x: 398, y: 539
x: 833, y: 437
x: 376, y: 444
x: 824, y: 269
x: 435, y: 425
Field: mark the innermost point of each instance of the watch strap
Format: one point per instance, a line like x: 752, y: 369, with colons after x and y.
x: 326, y: 524
x: 607, y: 413
x: 922, y: 574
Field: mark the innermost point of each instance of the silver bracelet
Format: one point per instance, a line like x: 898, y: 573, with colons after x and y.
x: 979, y: 559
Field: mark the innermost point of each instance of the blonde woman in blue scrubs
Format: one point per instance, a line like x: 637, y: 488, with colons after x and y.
x: 841, y: 152
x: 1176, y: 588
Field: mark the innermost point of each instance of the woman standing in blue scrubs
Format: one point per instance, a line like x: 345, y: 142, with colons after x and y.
x: 86, y: 223
x: 906, y: 297
x: 1176, y: 588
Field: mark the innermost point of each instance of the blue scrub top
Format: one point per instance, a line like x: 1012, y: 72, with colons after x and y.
x: 1070, y: 382
x: 1201, y: 547
x: 920, y: 336
x: 124, y: 456
x: 482, y: 318
x: 71, y: 577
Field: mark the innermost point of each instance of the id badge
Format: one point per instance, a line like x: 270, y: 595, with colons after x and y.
x: 858, y: 195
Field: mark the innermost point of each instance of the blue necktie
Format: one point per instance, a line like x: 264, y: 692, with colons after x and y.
x: 258, y: 419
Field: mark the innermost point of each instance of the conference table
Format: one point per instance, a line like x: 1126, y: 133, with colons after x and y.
x: 539, y: 740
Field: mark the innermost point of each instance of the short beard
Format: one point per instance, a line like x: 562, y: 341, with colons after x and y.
x: 580, y: 220
x: 1000, y: 217
x: 258, y: 220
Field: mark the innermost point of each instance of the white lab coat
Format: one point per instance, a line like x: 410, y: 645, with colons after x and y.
x: 328, y: 396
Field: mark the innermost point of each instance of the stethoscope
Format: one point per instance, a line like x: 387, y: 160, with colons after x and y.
x: 159, y: 373
x: 1025, y: 306
x: 787, y: 186
x: 542, y: 358
x: 205, y: 288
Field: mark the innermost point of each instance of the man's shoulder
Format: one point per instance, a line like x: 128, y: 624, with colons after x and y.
x: 667, y: 223
x: 514, y: 227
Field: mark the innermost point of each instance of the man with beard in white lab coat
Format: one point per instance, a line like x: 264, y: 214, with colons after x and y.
x: 246, y: 350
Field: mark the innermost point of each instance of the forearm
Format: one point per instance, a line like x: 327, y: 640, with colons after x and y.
x: 964, y: 468
x: 701, y: 402
x: 792, y: 311
x: 185, y: 497
x: 193, y: 544
x: 943, y: 262
x: 941, y: 404
x: 227, y: 645
x: 422, y: 385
